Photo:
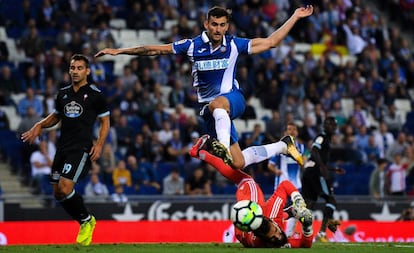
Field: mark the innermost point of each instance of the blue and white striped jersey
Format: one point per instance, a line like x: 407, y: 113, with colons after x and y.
x: 213, y: 70
x: 291, y: 170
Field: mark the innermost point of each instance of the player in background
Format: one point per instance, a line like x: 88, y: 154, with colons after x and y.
x: 270, y: 234
x: 214, y: 55
x: 77, y: 107
x: 286, y: 168
x: 316, y: 181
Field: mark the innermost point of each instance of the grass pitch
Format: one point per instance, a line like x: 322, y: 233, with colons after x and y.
x: 209, y: 247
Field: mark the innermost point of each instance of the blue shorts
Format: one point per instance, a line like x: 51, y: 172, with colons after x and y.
x: 237, y: 106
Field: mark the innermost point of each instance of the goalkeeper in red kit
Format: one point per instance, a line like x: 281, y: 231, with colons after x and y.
x: 270, y: 234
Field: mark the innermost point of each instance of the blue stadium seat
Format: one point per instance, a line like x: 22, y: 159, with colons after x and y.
x: 229, y: 189
x: 163, y: 169
x: 147, y: 190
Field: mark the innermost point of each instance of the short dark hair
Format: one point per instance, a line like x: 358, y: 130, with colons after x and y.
x: 80, y: 57
x: 264, y: 228
x: 218, y: 12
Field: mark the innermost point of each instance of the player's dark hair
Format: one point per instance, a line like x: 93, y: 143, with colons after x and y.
x: 218, y: 12
x: 80, y: 57
x: 264, y: 229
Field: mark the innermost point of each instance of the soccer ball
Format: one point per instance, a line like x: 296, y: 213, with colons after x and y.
x: 246, y: 215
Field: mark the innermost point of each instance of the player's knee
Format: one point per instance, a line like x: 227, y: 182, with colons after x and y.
x: 238, y: 164
x: 219, y: 103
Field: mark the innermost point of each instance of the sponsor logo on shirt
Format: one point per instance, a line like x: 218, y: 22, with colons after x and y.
x: 73, y: 110
x: 212, y: 64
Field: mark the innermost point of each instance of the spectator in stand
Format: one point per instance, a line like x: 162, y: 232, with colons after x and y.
x: 129, y: 104
x: 152, y: 18
x: 124, y: 134
x: 354, y: 41
x: 121, y: 175
x: 134, y: 17
x: 383, y: 138
x: 273, y: 130
x: 46, y: 15
x: 177, y: 94
x: 41, y: 163
x: 28, y: 119
x: 360, y: 114
x: 255, y: 138
x: 166, y: 133
x: 379, y: 181
x: 128, y: 78
x: 107, y: 162
x: 197, y: 183
x: 157, y: 148
x: 158, y: 96
x: 249, y: 112
x: 32, y: 43
x: 397, y: 147
x: 95, y: 189
x: 393, y: 119
x: 397, y: 173
x: 173, y: 183
x: 8, y: 86
x: 142, y: 173
x: 361, y: 139
x: 175, y: 149
x: 372, y: 152
x: 31, y: 80
x: 139, y: 148
x: 157, y: 74
x: 119, y: 196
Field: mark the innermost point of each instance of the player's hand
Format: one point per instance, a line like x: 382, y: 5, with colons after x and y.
x: 302, y: 12
x: 111, y: 51
x: 30, y: 136
x: 95, y: 152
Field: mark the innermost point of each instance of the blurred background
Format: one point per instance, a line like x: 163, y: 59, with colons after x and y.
x: 351, y: 59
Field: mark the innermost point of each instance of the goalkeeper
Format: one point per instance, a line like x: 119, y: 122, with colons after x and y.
x: 270, y: 234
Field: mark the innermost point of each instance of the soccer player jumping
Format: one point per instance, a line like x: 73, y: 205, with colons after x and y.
x: 214, y: 56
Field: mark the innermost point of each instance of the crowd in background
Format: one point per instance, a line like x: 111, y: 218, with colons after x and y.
x: 146, y: 151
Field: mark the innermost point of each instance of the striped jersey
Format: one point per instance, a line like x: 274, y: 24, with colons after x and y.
x: 213, y: 69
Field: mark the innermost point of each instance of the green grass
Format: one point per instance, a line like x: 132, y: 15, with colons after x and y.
x: 209, y: 247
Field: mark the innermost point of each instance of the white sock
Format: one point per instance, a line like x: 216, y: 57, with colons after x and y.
x: 256, y: 154
x: 223, y: 126
x: 290, y: 226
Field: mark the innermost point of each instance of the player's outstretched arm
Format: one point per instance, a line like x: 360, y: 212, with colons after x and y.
x: 139, y: 50
x: 260, y: 45
x: 30, y: 136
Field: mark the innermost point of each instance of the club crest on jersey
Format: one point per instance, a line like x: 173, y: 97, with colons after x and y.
x: 180, y: 42
x: 223, y: 49
x: 73, y: 110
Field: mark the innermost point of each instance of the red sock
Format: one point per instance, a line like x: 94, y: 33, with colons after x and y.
x: 287, y: 187
x: 234, y: 175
